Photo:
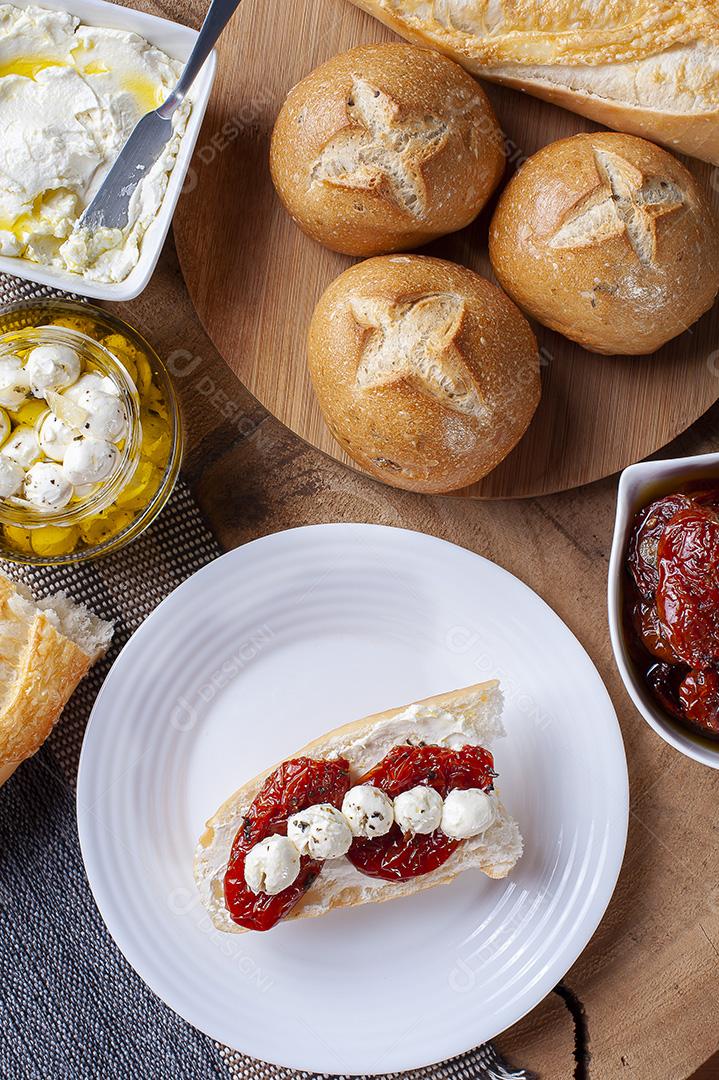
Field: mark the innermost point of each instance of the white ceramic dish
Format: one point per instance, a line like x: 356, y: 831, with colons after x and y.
x: 638, y: 486
x: 177, y: 41
x: 274, y: 644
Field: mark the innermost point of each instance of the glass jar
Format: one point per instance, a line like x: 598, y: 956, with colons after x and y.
x: 109, y: 514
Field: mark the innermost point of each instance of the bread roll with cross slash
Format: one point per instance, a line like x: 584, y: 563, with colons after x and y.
x: 427, y: 374
x: 609, y: 240
x: 385, y: 147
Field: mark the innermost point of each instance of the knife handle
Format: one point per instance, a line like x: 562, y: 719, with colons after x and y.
x: 217, y: 18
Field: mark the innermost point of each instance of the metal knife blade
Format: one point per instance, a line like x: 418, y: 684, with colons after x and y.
x: 110, y: 207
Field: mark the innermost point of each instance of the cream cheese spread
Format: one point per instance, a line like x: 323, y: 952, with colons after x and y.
x: 70, y: 96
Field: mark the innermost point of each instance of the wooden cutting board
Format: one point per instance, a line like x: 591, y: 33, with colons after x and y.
x: 254, y: 278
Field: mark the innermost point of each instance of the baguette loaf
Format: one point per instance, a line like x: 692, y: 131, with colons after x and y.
x: 472, y: 715
x: 46, y: 649
x: 649, y: 68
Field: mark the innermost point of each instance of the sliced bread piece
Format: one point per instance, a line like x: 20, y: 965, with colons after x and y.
x: 470, y: 715
x: 647, y: 68
x: 46, y: 648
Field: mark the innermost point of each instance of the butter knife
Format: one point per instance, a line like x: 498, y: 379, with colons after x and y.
x: 111, y: 204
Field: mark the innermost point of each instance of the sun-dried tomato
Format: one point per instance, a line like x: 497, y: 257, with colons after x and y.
x: 699, y: 700
x: 663, y: 681
x: 671, y: 611
x: 649, y: 525
x: 397, y: 857
x: 688, y: 588
x: 292, y: 787
x: 646, y: 622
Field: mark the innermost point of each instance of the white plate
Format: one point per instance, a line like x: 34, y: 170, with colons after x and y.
x: 274, y: 644
x: 177, y: 41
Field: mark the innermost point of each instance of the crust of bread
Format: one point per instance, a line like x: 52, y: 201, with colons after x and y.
x: 495, y: 853
x: 7, y: 770
x: 667, y: 49
x: 41, y: 668
x: 696, y: 135
x: 49, y: 670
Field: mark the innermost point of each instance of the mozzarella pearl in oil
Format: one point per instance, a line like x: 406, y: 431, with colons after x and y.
x: 11, y: 477
x: 106, y: 418
x: 5, y: 426
x: 23, y: 446
x: 47, y: 487
x: 52, y: 367
x: 88, y: 461
x: 14, y: 382
x: 91, y: 381
x: 55, y: 436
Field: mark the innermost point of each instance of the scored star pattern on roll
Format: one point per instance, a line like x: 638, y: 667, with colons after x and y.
x: 416, y: 341
x: 381, y: 149
x: 623, y: 202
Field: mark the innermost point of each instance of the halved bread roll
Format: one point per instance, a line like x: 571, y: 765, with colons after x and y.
x: 472, y: 715
x: 46, y: 649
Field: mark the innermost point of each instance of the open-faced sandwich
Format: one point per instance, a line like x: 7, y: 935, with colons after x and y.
x: 377, y: 809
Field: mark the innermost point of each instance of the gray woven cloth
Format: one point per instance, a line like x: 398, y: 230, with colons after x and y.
x: 71, y: 1008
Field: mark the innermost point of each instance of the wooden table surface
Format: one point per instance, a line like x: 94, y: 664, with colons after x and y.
x: 642, y: 1001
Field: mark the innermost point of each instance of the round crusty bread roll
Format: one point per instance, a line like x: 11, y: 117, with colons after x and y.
x: 427, y: 374
x: 384, y: 148
x: 608, y: 239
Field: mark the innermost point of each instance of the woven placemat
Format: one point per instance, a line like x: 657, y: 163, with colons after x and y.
x: 70, y: 1005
